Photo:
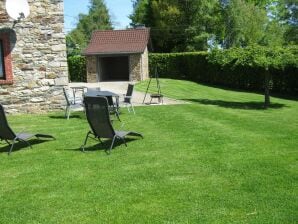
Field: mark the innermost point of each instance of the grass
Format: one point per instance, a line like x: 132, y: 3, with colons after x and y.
x: 219, y: 159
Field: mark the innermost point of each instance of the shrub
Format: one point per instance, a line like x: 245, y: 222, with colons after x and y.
x: 77, y: 68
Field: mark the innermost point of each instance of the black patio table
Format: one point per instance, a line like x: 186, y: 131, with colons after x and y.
x: 94, y: 93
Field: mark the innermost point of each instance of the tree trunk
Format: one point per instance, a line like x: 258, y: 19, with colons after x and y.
x: 267, y: 89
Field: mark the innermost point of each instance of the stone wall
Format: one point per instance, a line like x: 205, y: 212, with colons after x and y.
x: 145, y: 65
x: 91, y: 68
x: 38, y: 54
x: 135, y: 67
x: 139, y: 66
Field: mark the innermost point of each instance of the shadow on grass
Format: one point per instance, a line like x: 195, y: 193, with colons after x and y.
x: 20, y: 145
x: 285, y: 96
x: 237, y: 105
x: 64, y: 118
x: 105, y: 146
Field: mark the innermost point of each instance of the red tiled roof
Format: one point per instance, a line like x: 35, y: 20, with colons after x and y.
x: 118, y: 41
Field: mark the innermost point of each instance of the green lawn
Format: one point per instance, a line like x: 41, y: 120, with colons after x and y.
x: 219, y: 159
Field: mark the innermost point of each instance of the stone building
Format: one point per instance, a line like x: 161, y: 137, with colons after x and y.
x: 118, y: 55
x: 33, y: 65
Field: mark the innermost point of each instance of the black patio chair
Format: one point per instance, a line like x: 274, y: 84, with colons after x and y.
x: 98, y: 117
x: 127, y: 98
x: 70, y: 104
x: 113, y: 107
x: 7, y: 134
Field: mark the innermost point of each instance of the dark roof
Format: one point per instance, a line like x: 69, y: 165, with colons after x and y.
x: 118, y: 41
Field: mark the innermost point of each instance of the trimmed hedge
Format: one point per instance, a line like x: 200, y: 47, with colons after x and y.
x: 77, y: 68
x: 179, y: 65
x: 241, y: 68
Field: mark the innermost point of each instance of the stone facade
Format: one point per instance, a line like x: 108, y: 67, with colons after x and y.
x: 145, y: 65
x: 91, y: 69
x: 139, y: 66
x: 38, y: 58
x: 135, y: 68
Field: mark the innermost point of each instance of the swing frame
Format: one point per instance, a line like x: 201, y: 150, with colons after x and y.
x: 157, y: 95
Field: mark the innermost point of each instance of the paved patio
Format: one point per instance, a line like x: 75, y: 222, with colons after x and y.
x: 121, y: 87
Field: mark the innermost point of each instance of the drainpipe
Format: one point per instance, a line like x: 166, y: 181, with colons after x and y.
x: 141, y: 68
x: 129, y: 68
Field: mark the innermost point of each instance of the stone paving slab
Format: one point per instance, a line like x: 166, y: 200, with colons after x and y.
x: 121, y: 87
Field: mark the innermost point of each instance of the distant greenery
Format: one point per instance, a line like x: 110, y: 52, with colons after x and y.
x: 179, y: 26
x: 98, y: 18
x: 218, y: 159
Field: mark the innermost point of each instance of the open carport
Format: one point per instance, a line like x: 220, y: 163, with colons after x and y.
x: 113, y: 68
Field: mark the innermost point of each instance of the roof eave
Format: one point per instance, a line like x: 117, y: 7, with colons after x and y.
x: 112, y: 53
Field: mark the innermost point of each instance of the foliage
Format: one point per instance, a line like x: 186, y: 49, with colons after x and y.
x: 285, y: 13
x: 256, y: 57
x: 178, y: 25
x: 98, y: 18
x: 71, y: 47
x: 192, y: 25
x: 217, y: 160
x: 244, y: 24
x: 289, y: 15
x: 274, y: 35
x: 77, y: 68
x: 241, y: 68
x: 140, y: 12
x: 204, y: 23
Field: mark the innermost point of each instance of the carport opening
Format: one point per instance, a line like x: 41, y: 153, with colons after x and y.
x: 114, y: 68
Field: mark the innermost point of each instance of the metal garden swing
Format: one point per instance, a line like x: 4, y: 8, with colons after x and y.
x: 157, y: 95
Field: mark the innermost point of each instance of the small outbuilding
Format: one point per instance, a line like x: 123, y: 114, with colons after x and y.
x: 118, y: 55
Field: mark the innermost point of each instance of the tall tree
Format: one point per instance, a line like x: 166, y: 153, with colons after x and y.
x: 163, y: 18
x: 178, y: 25
x: 244, y: 23
x: 191, y: 25
x: 140, y: 12
x: 98, y: 18
x: 204, y: 22
x: 289, y: 16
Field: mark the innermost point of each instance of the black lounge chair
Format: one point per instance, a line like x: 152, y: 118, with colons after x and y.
x: 7, y: 134
x: 98, y: 117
